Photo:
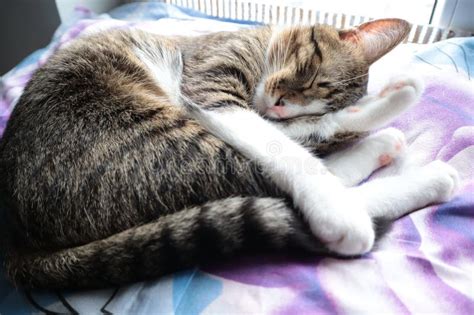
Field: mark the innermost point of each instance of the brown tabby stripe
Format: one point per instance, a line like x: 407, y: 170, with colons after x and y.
x: 314, y: 41
x: 172, y: 242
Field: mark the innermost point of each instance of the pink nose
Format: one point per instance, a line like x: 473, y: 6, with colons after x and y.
x: 277, y: 109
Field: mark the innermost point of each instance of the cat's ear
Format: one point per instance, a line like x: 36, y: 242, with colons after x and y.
x: 378, y: 37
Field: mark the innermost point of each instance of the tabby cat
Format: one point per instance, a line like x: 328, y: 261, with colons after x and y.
x: 132, y: 155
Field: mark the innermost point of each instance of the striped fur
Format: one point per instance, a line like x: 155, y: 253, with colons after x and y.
x: 105, y: 180
x: 193, y: 236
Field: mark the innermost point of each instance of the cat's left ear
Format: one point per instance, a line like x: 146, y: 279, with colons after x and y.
x: 378, y: 37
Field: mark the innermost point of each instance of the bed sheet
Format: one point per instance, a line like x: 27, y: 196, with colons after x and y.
x: 425, y: 264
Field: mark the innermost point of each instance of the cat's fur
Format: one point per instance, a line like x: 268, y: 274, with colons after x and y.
x: 110, y: 172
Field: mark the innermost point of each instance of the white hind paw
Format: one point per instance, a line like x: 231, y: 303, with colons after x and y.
x: 387, y: 144
x: 444, y: 181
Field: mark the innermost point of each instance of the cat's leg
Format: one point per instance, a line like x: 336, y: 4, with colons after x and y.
x: 370, y: 113
x: 318, y: 194
x: 356, y: 163
x: 392, y: 197
x: 374, y: 112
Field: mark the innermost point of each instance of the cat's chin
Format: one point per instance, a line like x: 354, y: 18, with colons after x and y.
x: 274, y: 115
x: 297, y: 118
x: 279, y: 113
x: 275, y: 119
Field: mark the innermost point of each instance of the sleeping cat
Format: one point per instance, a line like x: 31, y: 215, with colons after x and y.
x: 131, y: 155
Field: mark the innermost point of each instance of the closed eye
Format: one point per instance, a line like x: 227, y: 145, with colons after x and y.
x: 323, y: 84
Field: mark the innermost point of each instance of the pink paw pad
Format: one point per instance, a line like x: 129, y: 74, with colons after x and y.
x: 398, y: 146
x: 385, y: 159
x: 393, y: 87
x: 353, y: 109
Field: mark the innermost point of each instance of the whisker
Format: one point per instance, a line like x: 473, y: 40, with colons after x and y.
x: 356, y: 77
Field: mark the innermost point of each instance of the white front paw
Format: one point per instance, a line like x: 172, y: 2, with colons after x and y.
x: 444, y: 181
x: 403, y: 86
x: 401, y: 93
x: 345, y: 227
x: 373, y: 112
x: 356, y: 238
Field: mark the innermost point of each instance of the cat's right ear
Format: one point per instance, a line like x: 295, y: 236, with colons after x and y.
x: 378, y: 37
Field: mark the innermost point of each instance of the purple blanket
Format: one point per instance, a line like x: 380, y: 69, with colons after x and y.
x: 425, y: 265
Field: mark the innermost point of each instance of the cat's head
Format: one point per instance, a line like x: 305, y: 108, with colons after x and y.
x: 312, y: 70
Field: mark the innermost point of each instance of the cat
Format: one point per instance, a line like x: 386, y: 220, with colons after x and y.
x: 131, y: 155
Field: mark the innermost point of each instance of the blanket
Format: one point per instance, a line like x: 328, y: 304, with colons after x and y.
x: 424, y: 265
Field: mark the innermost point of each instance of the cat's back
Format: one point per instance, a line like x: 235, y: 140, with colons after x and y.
x: 87, y: 128
x: 95, y: 87
x: 96, y: 143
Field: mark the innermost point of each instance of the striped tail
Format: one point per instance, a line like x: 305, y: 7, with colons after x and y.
x: 186, y: 238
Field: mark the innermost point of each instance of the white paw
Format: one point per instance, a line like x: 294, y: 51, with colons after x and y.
x: 403, y: 86
x: 375, y: 111
x: 386, y: 145
x: 402, y: 92
x: 444, y: 181
x: 357, y: 239
x: 353, y: 233
x: 346, y: 227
